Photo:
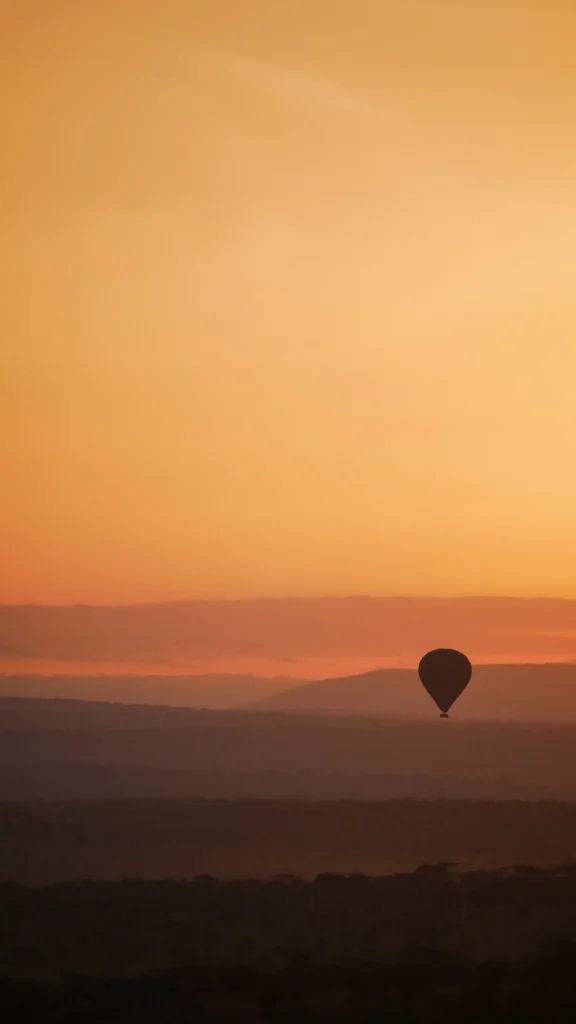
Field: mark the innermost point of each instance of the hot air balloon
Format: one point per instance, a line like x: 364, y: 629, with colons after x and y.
x: 444, y: 674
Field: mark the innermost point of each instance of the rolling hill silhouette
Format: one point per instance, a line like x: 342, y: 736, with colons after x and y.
x: 59, y: 749
x: 524, y: 693
x: 213, y: 690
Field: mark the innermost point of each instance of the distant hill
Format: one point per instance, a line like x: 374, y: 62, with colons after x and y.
x: 59, y: 749
x: 522, y: 693
x: 29, y: 714
x: 74, y: 781
x: 196, y: 691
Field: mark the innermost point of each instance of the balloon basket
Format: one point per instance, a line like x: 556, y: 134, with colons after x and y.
x: 444, y: 714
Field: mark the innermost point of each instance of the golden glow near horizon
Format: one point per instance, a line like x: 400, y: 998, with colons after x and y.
x: 289, y: 298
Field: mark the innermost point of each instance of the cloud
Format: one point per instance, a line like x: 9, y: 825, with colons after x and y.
x: 284, y: 629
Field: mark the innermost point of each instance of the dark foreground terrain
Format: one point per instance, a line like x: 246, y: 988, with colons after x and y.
x: 125, y: 928
x: 422, y: 989
x: 434, y: 945
x: 46, y: 842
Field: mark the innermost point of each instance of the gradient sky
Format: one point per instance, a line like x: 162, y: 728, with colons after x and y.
x: 289, y: 298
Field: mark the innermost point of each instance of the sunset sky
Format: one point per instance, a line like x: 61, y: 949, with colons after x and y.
x: 289, y: 299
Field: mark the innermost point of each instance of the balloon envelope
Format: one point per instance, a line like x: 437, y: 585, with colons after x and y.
x: 444, y: 674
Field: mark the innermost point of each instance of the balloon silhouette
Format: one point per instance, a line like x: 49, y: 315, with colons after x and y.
x: 444, y: 674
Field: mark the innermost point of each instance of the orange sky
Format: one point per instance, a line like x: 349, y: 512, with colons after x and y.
x: 289, y: 298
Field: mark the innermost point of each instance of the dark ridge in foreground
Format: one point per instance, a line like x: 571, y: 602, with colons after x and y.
x: 436, y: 922
x: 425, y: 987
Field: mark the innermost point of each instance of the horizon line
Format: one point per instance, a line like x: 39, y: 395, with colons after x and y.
x: 279, y: 599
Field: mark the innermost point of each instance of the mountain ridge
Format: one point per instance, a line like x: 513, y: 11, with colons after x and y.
x: 496, y: 692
